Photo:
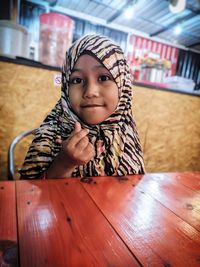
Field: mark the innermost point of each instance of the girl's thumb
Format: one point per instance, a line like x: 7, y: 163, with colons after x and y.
x: 77, y: 127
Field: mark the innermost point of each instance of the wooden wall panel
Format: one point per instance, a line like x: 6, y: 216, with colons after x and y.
x: 169, y: 127
x: 27, y: 95
x: 168, y: 122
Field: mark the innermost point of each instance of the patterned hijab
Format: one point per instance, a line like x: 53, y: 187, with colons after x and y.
x: 116, y: 142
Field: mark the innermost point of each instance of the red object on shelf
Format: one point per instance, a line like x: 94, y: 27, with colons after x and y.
x: 140, y: 47
x: 56, y: 32
x: 55, y: 19
x: 136, y: 74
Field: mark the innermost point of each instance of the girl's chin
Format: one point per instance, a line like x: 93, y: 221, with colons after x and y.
x: 93, y: 121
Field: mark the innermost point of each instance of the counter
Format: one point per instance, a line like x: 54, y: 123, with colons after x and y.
x: 162, y: 87
x: 37, y: 64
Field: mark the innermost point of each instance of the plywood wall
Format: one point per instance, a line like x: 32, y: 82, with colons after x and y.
x: 168, y: 123
x: 27, y: 95
x: 169, y: 126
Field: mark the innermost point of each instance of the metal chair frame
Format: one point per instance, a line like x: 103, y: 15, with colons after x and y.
x: 11, y: 168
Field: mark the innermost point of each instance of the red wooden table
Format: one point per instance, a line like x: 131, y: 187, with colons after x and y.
x: 149, y: 220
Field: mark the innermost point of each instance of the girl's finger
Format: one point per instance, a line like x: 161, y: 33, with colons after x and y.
x: 75, y: 130
x: 73, y: 140
x: 82, y: 144
x: 90, y: 152
x: 77, y: 127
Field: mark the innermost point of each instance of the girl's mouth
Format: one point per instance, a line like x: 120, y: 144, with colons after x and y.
x: 91, y: 105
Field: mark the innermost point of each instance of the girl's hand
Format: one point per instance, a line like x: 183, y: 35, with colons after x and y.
x: 77, y: 150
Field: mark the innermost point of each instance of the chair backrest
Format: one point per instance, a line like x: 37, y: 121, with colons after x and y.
x: 11, y: 167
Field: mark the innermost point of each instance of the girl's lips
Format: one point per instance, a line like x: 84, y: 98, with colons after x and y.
x: 91, y: 105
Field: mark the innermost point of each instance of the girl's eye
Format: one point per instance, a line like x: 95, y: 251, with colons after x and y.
x: 104, y: 78
x: 76, y: 80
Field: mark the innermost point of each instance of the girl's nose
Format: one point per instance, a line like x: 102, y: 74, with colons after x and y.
x: 91, y: 90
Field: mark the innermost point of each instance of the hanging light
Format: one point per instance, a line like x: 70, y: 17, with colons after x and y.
x: 177, y: 30
x: 177, y: 6
x: 129, y: 13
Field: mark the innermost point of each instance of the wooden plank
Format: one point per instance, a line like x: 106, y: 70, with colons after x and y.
x: 168, y: 189
x: 155, y: 234
x: 189, y: 179
x: 59, y: 225
x: 8, y: 227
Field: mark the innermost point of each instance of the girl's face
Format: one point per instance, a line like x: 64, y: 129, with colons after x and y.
x: 93, y: 92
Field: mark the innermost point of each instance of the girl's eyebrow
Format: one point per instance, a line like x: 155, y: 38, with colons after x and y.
x: 76, y: 69
x: 95, y: 67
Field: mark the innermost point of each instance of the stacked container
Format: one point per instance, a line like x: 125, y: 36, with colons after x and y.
x: 14, y: 39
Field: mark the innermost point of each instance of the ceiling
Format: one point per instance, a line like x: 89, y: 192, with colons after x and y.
x: 151, y: 19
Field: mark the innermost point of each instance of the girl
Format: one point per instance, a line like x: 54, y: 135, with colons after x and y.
x: 91, y: 130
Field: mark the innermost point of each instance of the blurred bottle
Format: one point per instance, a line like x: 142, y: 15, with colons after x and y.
x: 56, y: 32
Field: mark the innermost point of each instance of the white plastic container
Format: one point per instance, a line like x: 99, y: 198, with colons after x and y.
x: 180, y: 83
x: 14, y: 39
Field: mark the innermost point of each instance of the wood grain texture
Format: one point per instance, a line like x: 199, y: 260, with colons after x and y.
x: 8, y: 225
x: 189, y: 179
x: 147, y: 213
x: 169, y: 129
x: 27, y: 96
x: 177, y: 197
x: 59, y: 225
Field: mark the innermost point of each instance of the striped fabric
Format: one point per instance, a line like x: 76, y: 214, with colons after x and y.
x: 116, y: 141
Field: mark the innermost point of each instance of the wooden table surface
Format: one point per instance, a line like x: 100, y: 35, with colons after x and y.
x: 139, y: 220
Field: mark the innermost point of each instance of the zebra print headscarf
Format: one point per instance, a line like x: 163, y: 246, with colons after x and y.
x: 116, y: 142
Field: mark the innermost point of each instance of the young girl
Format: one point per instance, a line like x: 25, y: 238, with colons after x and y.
x: 91, y: 130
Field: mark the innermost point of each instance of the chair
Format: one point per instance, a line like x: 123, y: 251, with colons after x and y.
x: 11, y: 168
